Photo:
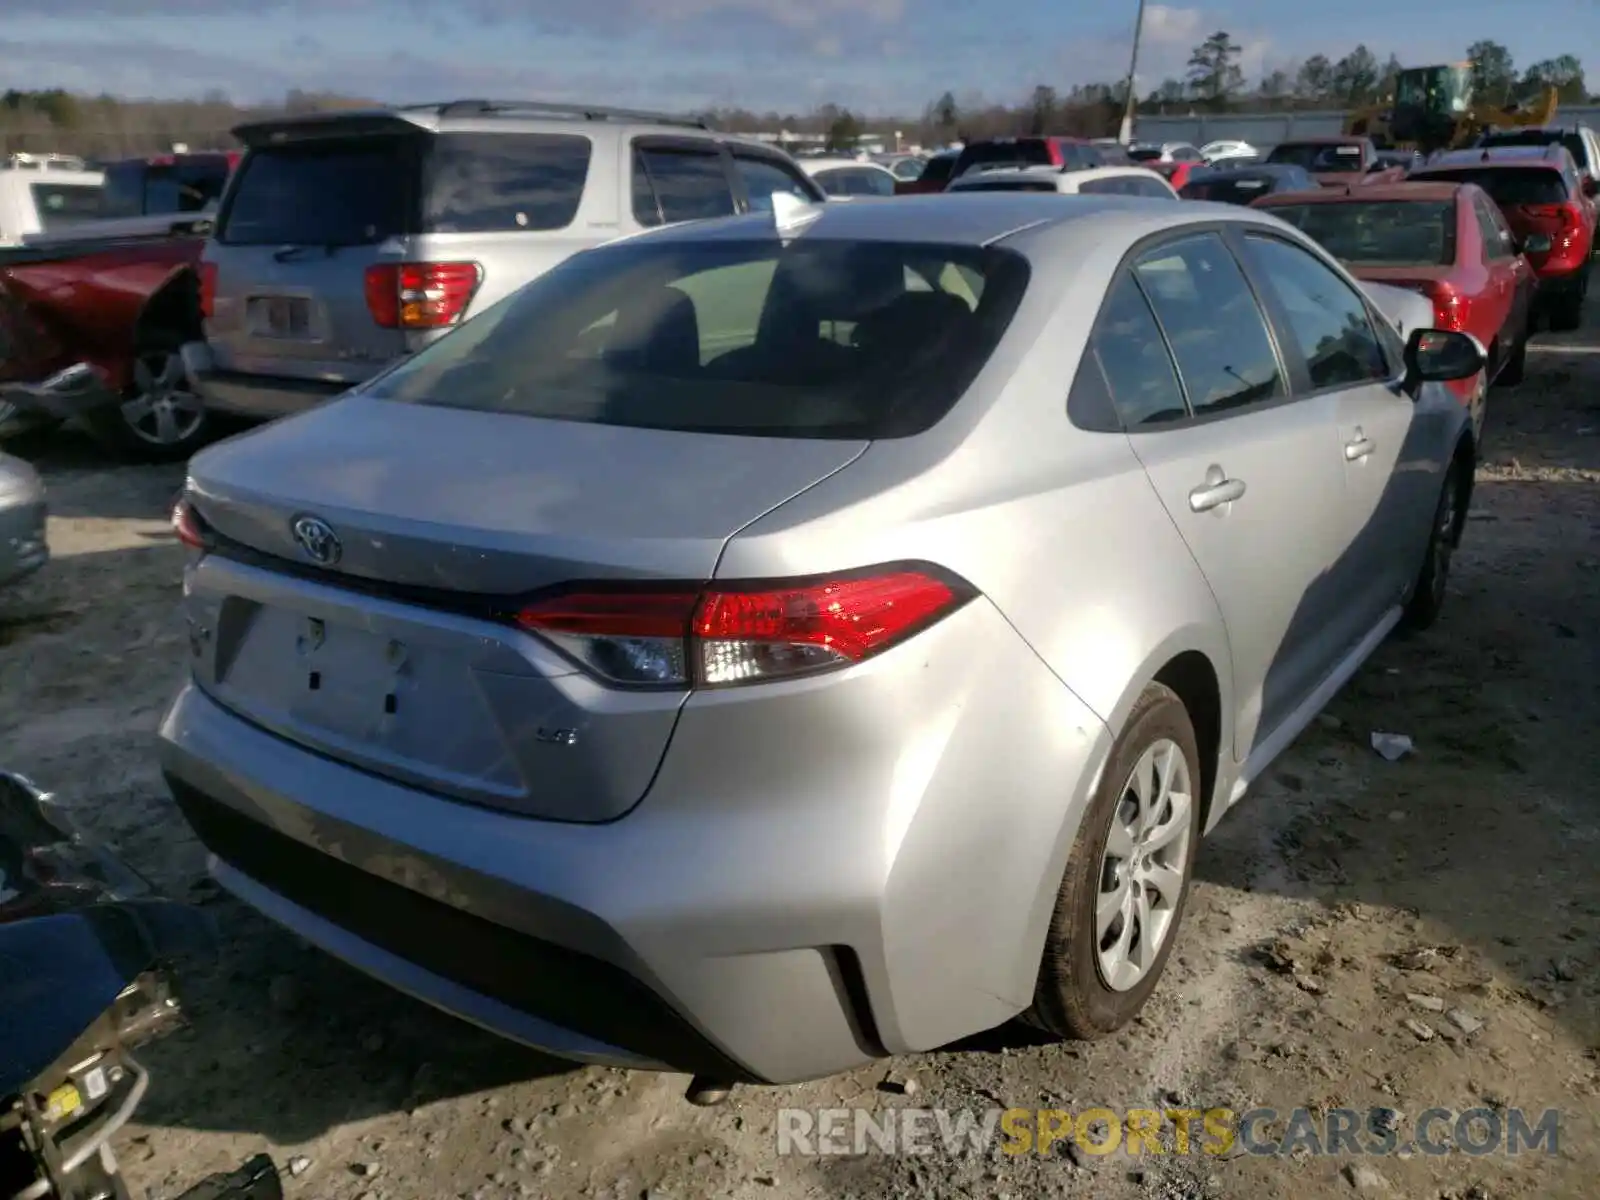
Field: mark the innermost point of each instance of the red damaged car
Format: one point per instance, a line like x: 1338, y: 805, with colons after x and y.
x: 1445, y: 240
x: 1547, y: 204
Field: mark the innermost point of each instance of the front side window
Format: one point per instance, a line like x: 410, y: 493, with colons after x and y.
x: 679, y: 185
x: 1331, y: 326
x: 1213, y: 323
x: 817, y: 338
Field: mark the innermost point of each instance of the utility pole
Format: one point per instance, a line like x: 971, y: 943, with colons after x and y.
x: 1126, y: 136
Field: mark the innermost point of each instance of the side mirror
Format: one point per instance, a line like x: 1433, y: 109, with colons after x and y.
x: 1536, y: 243
x: 1440, y: 356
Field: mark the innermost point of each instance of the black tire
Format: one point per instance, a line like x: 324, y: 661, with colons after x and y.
x: 1427, y: 596
x: 1072, y: 999
x: 1566, y: 309
x: 1516, y: 366
x: 147, y: 436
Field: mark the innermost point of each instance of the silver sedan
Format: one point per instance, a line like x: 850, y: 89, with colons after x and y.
x: 23, y: 549
x: 764, y: 645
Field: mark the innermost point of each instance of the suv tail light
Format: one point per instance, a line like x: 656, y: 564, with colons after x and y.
x: 1568, y: 214
x: 189, y: 526
x: 208, y: 289
x: 721, y: 634
x: 427, y: 295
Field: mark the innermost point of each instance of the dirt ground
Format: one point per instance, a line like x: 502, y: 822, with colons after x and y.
x: 1353, y: 919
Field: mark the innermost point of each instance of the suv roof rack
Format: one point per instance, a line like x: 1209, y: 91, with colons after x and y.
x: 539, y: 108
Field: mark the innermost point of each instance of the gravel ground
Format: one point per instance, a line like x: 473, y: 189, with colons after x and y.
x: 1413, y: 934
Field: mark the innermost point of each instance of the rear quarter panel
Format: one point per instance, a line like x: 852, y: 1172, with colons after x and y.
x: 85, y: 303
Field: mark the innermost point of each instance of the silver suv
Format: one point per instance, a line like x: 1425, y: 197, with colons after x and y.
x: 348, y: 240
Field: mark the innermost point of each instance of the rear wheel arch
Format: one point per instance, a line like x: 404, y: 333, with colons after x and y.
x: 173, y: 310
x: 1193, y: 679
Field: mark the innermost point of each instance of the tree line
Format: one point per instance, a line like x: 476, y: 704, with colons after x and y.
x: 1215, y: 81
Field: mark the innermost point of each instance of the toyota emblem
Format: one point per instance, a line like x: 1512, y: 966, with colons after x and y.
x: 318, y: 540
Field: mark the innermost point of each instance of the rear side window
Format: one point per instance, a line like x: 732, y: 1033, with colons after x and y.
x: 1213, y: 323
x: 1133, y: 356
x: 124, y: 190
x: 503, y: 182
x: 679, y: 185
x: 855, y: 181
x: 351, y: 193
x: 62, y: 204
x: 818, y: 338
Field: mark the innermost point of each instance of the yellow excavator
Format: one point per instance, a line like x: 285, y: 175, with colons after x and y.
x: 1433, y: 108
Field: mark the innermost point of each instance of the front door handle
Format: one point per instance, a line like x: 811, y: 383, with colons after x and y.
x: 1359, y: 447
x: 1216, y: 491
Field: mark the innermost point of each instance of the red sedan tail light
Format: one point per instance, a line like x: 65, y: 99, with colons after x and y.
x: 723, y: 634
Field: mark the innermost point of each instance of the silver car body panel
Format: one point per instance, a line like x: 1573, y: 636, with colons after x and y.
x: 747, y: 852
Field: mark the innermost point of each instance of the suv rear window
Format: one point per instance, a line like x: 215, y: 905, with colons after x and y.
x: 344, y: 193
x: 62, y: 204
x: 1508, y: 186
x: 817, y: 338
x: 1573, y: 141
x: 503, y: 182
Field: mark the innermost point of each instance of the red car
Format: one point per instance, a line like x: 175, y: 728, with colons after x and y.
x: 1174, y: 161
x: 1445, y: 240
x: 1539, y: 190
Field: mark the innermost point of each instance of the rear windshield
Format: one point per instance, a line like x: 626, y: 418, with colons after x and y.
x: 1537, y: 137
x: 1509, y: 186
x: 1008, y: 185
x: 1027, y: 152
x: 346, y: 193
x: 818, y: 338
x: 62, y: 204
x: 1237, y: 188
x: 1379, y: 233
x: 1319, y: 157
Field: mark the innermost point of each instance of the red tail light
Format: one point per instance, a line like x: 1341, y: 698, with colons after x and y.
x: 1057, y: 157
x: 189, y: 527
x: 208, y: 289
x: 723, y: 634
x: 1450, y: 308
x: 429, y: 295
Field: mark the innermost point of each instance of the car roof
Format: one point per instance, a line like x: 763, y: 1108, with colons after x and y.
x: 1428, y: 192
x: 1068, y: 180
x: 1497, y: 156
x: 477, y: 115
x: 969, y: 218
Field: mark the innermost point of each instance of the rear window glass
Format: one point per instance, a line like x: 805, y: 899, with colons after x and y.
x: 323, y: 194
x: 1509, y: 186
x: 1379, y: 232
x: 184, y: 189
x: 60, y: 204
x: 1320, y: 158
x: 124, y: 190
x: 818, y: 338
x: 1535, y: 137
x: 1026, y: 152
x: 1238, y: 188
x: 1010, y: 185
x: 503, y: 182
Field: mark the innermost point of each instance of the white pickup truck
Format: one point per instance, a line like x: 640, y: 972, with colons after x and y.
x: 43, y: 197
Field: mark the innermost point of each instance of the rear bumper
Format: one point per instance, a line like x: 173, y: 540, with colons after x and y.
x: 260, y: 397
x: 799, y: 892
x: 23, y: 549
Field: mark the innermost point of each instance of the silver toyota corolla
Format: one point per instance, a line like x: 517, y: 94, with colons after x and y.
x: 23, y: 549
x: 765, y: 645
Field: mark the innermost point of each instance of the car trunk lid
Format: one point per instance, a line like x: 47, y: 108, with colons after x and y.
x: 399, y: 657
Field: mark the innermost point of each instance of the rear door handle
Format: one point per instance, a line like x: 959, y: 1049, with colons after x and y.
x: 1358, y: 448
x: 1214, y: 493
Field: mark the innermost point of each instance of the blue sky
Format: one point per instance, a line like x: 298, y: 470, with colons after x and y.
x: 788, y: 55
